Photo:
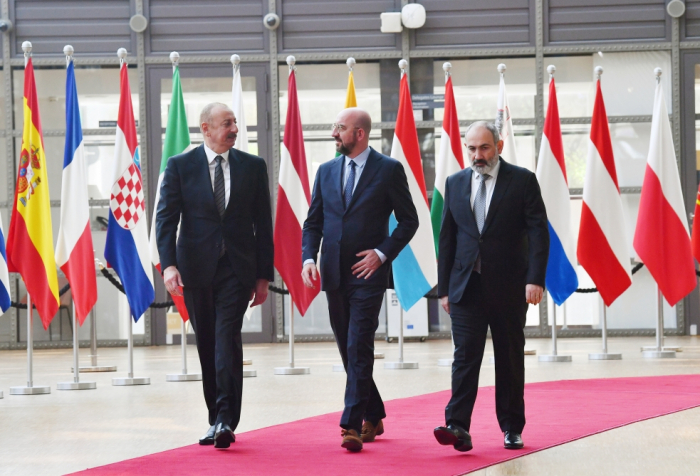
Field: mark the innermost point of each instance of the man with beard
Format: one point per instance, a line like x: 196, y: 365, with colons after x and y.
x: 223, y: 258
x: 493, y: 250
x: 353, y: 197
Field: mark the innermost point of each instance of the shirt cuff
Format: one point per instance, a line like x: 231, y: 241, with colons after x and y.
x: 308, y: 261
x: 381, y: 255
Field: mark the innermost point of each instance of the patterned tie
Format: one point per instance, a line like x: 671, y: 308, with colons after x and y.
x: 220, y: 195
x: 480, y: 202
x: 350, y: 184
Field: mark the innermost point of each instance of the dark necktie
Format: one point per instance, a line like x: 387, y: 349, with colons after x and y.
x: 350, y: 184
x: 220, y: 195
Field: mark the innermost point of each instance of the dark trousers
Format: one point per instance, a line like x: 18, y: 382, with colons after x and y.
x: 470, y: 319
x: 216, y: 313
x: 354, y: 313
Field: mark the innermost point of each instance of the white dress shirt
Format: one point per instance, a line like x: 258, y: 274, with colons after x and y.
x: 490, y: 185
x: 211, y: 156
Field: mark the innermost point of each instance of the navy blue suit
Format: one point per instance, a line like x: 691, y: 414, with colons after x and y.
x: 354, y: 303
x: 217, y: 288
x: 514, y: 247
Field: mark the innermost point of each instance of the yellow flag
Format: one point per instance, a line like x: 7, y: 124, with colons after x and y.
x: 350, y: 98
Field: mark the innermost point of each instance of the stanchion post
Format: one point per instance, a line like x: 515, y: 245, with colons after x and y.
x: 94, y: 367
x: 400, y: 364
x: 554, y: 356
x: 76, y: 384
x: 30, y: 389
x: 130, y: 379
x: 184, y: 376
x: 605, y: 355
x: 659, y: 352
x: 291, y: 370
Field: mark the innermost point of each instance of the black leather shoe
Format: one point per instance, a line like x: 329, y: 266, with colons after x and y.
x: 512, y: 440
x: 223, y: 436
x: 208, y: 438
x: 453, y: 435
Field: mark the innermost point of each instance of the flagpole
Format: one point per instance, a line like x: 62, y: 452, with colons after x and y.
x: 403, y: 65
x: 30, y: 389
x: 659, y: 352
x: 554, y: 356
x: 291, y: 370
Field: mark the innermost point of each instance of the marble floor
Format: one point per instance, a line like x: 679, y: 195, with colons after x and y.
x: 68, y: 431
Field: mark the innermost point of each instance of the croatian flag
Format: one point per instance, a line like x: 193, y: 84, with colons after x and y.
x: 561, y: 277
x: 661, y: 238
x: 74, y: 252
x: 602, y: 241
x: 4, y: 275
x: 126, y: 248
x: 415, y: 269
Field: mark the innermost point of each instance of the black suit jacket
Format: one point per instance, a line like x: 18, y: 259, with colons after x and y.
x: 381, y: 190
x: 187, y: 198
x: 514, y: 243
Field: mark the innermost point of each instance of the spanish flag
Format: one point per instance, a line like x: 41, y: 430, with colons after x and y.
x: 30, y: 249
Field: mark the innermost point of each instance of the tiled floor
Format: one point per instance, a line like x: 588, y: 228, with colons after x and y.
x: 71, y: 430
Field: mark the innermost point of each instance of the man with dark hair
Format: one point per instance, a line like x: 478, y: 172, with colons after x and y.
x: 493, y: 250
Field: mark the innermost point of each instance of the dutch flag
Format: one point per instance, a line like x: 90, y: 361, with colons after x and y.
x: 561, y: 277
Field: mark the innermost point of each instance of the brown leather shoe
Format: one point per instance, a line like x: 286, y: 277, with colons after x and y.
x: 351, y: 440
x: 369, y: 431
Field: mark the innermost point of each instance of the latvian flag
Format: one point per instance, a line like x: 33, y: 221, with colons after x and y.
x: 602, y: 242
x: 126, y: 247
x: 415, y: 269
x: 551, y: 174
x: 661, y: 238
x: 74, y: 252
x: 293, y: 199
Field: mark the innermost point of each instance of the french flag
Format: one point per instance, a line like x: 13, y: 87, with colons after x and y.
x: 4, y: 274
x: 126, y: 247
x: 415, y: 269
x: 661, y: 238
x: 561, y: 277
x: 602, y: 241
x: 74, y: 252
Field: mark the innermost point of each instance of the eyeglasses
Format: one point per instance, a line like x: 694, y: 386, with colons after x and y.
x: 340, y: 127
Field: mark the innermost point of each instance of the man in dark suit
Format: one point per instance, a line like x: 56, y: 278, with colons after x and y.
x: 353, y: 197
x: 223, y: 256
x: 493, y: 249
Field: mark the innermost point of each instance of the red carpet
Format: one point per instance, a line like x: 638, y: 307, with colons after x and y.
x: 557, y: 412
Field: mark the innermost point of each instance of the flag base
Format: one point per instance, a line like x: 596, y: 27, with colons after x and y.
x: 292, y: 370
x: 666, y: 347
x: 97, y: 368
x: 554, y: 358
x: 39, y: 390
x: 76, y: 386
x: 379, y: 355
x: 128, y: 381
x: 183, y: 377
x: 604, y: 356
x: 338, y: 368
x: 659, y: 354
x: 250, y: 373
x: 445, y: 362
x: 400, y: 365
x: 247, y: 361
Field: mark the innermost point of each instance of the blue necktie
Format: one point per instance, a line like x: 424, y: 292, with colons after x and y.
x: 350, y: 184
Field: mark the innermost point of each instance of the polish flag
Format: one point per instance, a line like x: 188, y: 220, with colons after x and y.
x: 602, y: 241
x: 661, y: 238
x: 74, y: 251
x: 695, y: 240
x: 551, y: 174
x: 293, y: 199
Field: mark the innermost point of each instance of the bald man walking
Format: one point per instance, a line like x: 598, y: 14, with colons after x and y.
x: 353, y: 197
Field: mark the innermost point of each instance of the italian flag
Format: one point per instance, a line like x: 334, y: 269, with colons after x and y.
x: 449, y: 160
x: 177, y: 141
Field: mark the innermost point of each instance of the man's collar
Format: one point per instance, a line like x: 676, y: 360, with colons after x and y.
x: 360, y: 159
x: 211, y: 155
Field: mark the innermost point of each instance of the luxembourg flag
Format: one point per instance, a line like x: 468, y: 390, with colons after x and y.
x: 551, y: 174
x: 126, y: 247
x: 4, y: 275
x: 602, y: 242
x: 74, y: 252
x: 661, y: 238
x: 450, y: 159
x: 415, y: 269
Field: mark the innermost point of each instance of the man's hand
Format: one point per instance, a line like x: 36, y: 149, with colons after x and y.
x: 533, y: 293
x: 173, y: 281
x: 367, y: 265
x: 259, y: 294
x: 445, y: 303
x: 309, y: 274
